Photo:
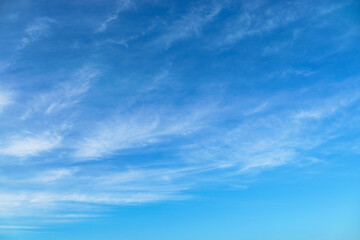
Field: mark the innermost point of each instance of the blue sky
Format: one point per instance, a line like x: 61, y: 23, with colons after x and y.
x: 158, y: 119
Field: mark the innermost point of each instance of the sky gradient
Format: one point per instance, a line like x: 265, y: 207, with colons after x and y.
x: 159, y: 119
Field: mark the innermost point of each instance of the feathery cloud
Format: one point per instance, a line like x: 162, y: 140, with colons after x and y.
x: 29, y: 145
x: 189, y: 24
x: 139, y: 130
x: 258, y: 19
x: 36, y: 30
x: 65, y: 95
x: 122, y: 5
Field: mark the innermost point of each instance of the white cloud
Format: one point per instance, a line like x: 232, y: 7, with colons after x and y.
x: 29, y: 145
x: 5, y: 99
x: 4, y: 65
x: 64, y: 95
x: 88, y: 188
x: 189, y: 24
x: 250, y: 23
x: 46, y: 105
x: 328, y: 106
x: 277, y: 138
x: 157, y: 81
x: 257, y: 109
x: 52, y: 175
x: 41, y: 203
x: 259, y: 19
x: 36, y: 30
x: 122, y: 5
x: 141, y: 129
x: 257, y: 142
x: 254, y: 144
x: 17, y: 227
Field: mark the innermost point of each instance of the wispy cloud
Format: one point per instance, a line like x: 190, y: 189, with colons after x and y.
x: 140, y: 129
x: 64, y: 95
x: 48, y: 203
x: 190, y: 24
x: 4, y: 65
x: 88, y: 188
x: 258, y: 19
x: 262, y: 139
x: 274, y: 138
x: 121, y: 5
x: 17, y: 227
x: 29, y: 145
x: 36, y: 30
x: 52, y: 175
x: 38, y: 204
x: 154, y: 126
x: 46, y: 107
x: 5, y: 99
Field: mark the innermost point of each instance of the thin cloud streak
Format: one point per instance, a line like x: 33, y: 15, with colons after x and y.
x: 122, y: 5
x: 17, y: 227
x: 30, y: 145
x: 250, y: 23
x: 38, y: 29
x: 140, y: 129
x: 189, y: 25
x: 65, y: 95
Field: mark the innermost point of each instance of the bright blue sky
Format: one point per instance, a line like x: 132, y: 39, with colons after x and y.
x: 159, y: 119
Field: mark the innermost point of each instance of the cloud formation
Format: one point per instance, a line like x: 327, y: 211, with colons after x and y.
x: 121, y: 5
x: 5, y: 99
x: 39, y: 28
x: 250, y: 23
x: 88, y: 123
x: 140, y: 129
x: 31, y: 145
x: 189, y: 24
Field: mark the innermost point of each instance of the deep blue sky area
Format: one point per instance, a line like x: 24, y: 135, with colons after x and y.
x: 159, y: 119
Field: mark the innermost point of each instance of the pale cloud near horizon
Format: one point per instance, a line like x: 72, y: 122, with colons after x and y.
x: 17, y: 227
x: 66, y: 187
